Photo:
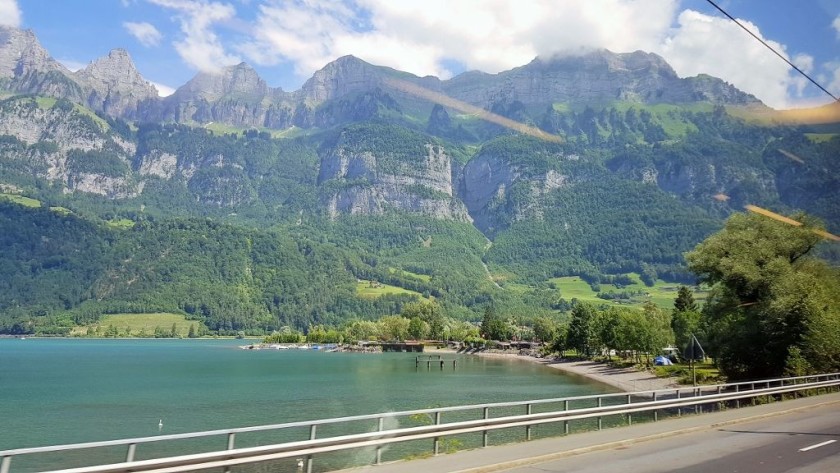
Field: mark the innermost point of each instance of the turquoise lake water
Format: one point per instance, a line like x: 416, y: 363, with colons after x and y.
x: 56, y: 391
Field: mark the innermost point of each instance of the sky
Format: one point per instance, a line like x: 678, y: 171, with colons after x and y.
x: 286, y: 41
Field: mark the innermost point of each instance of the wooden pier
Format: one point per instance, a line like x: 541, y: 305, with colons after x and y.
x: 430, y: 360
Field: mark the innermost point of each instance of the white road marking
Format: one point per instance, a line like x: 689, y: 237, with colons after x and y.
x: 822, y: 444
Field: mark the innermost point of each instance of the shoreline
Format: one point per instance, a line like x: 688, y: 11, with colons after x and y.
x: 624, y: 379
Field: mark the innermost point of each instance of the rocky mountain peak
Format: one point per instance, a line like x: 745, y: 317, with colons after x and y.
x: 116, y: 72
x: 21, y: 54
x: 240, y: 81
x: 114, y: 85
x: 344, y: 75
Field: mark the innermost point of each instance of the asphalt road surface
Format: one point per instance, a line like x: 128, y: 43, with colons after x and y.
x: 800, y: 436
x: 802, y: 442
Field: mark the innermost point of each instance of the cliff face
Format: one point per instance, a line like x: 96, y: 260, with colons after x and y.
x: 54, y: 141
x: 364, y: 182
x: 113, y: 85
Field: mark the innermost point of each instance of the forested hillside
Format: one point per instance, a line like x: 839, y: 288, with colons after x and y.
x: 251, y: 215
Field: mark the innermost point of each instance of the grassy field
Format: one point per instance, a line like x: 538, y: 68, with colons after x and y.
x: 365, y: 290
x: 142, y: 323
x: 19, y: 199
x: 121, y: 223
x: 421, y: 277
x: 662, y: 293
x: 820, y: 137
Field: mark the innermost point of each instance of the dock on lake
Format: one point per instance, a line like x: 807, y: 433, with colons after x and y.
x: 429, y: 360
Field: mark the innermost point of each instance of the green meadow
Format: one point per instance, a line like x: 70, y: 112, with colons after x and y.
x: 662, y: 293
x: 141, y: 324
x: 21, y: 200
x: 372, y: 289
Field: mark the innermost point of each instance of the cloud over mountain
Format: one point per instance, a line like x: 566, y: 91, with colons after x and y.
x: 9, y: 13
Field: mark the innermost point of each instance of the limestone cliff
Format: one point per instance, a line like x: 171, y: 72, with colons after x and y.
x: 113, y: 85
x: 361, y: 180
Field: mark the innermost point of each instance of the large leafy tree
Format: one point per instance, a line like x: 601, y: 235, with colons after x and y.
x: 582, y: 333
x: 769, y: 294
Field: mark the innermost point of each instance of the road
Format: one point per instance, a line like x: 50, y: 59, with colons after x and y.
x: 762, y: 439
x: 802, y: 442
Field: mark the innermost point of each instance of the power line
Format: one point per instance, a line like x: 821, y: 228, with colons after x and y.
x: 774, y: 51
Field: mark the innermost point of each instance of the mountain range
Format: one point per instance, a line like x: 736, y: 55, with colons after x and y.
x: 367, y: 172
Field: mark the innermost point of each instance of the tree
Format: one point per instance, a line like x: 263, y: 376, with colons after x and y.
x: 545, y: 329
x: 417, y: 328
x: 769, y: 294
x: 394, y: 327
x: 429, y: 313
x: 685, y: 324
x: 685, y: 300
x: 191, y: 333
x: 609, y: 329
x: 581, y: 334
x: 493, y: 327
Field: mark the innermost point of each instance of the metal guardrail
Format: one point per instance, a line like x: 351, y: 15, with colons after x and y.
x: 676, y: 398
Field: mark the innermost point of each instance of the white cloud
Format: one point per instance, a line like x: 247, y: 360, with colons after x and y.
x: 419, y: 37
x: 200, y: 46
x: 836, y: 25
x: 163, y: 90
x: 423, y: 37
x: 9, y: 13
x: 718, y: 47
x: 146, y: 33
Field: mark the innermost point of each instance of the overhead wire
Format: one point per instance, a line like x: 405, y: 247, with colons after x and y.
x: 773, y: 49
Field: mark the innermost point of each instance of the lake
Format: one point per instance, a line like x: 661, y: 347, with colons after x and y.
x: 56, y: 391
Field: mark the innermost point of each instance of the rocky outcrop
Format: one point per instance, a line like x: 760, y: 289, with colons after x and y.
x: 341, y: 77
x: 106, y: 186
x: 56, y: 123
x: 114, y: 86
x: 159, y: 164
x: 356, y: 182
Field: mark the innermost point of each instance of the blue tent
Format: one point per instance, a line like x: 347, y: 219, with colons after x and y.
x: 661, y: 361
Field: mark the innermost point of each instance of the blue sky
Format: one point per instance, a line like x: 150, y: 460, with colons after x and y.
x: 287, y: 40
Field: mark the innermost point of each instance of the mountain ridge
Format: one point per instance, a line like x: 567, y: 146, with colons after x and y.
x: 237, y: 96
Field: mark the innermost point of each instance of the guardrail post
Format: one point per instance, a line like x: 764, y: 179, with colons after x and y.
x: 629, y: 416
x: 737, y: 401
x: 752, y: 388
x: 565, y: 422
x: 679, y: 409
x: 484, y: 433
x: 312, y: 431
x: 380, y: 428
x: 230, y: 442
x: 599, y: 417
x: 5, y: 464
x: 437, y: 439
x: 528, y: 427
x: 655, y: 411
x: 129, y: 457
